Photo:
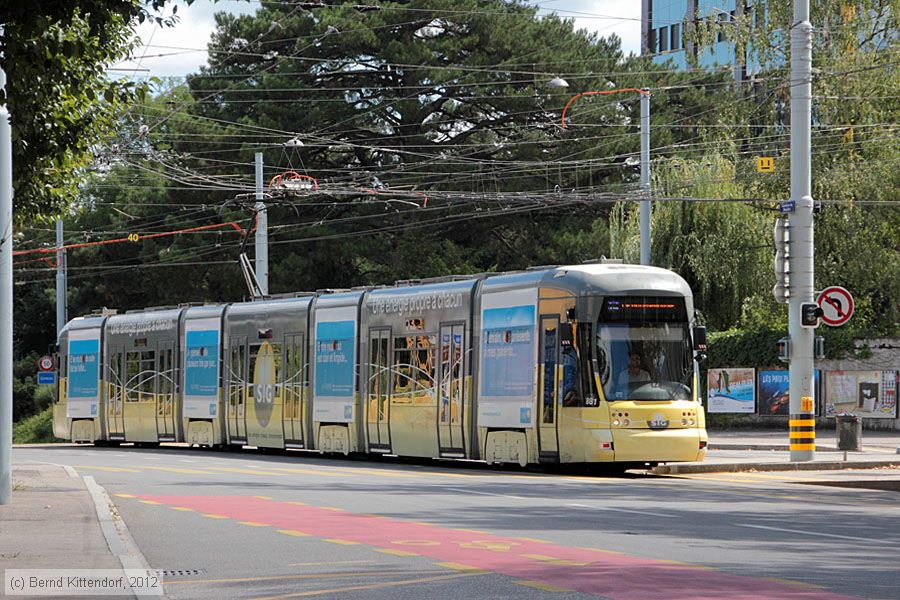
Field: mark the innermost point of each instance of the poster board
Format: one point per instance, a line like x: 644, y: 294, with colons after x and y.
x: 774, y: 393
x: 868, y: 394
x: 731, y: 391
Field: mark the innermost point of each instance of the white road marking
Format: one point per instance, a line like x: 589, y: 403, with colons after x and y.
x: 624, y: 510
x: 464, y: 491
x: 803, y: 532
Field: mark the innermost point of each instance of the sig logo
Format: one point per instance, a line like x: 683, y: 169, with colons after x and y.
x: 657, y: 421
x: 265, y: 387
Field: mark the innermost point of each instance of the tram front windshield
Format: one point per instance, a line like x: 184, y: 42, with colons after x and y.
x: 644, y: 354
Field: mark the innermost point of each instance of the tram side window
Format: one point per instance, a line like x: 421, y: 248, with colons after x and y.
x: 236, y: 372
x: 132, y: 376
x: 166, y: 372
x: 424, y: 365
x: 403, y: 382
x: 586, y: 364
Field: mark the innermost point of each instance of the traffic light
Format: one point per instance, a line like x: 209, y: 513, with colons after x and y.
x: 782, y: 289
x: 784, y: 349
x: 809, y: 315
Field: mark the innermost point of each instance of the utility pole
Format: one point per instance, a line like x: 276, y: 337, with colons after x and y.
x: 262, y: 231
x: 645, y: 178
x: 802, y: 419
x: 6, y: 298
x: 62, y: 305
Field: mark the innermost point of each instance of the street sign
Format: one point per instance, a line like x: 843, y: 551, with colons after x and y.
x: 46, y: 377
x: 787, y: 206
x: 836, y: 304
x: 765, y: 164
x: 45, y: 363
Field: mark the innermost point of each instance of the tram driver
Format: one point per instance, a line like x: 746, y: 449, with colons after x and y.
x: 633, y: 374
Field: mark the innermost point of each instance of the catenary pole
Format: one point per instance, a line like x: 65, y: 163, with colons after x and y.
x: 6, y: 298
x: 262, y: 231
x: 802, y: 419
x: 645, y: 179
x: 62, y: 307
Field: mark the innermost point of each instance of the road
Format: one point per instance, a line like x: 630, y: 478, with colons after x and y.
x: 253, y: 525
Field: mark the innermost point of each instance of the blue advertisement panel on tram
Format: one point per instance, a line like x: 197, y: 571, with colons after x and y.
x: 335, y: 346
x: 508, y: 351
x: 201, y: 373
x: 84, y: 377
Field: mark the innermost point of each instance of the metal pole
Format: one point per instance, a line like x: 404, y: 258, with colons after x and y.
x: 262, y: 231
x: 6, y: 299
x: 62, y: 307
x: 802, y: 419
x: 645, y: 179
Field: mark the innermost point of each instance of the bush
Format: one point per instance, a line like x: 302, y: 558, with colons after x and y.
x: 35, y: 429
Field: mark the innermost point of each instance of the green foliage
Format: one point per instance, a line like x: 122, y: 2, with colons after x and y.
x: 36, y: 429
x: 61, y: 102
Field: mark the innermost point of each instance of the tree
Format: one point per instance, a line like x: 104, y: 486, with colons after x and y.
x: 54, y: 53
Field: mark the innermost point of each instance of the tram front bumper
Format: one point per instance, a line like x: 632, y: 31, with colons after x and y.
x: 670, y: 445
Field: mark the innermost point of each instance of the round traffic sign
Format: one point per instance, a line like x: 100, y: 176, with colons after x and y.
x: 836, y: 304
x: 45, y: 363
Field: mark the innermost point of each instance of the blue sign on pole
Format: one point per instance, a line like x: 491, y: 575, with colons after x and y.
x: 46, y: 378
x: 786, y: 206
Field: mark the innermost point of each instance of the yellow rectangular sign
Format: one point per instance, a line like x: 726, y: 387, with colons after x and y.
x: 765, y: 164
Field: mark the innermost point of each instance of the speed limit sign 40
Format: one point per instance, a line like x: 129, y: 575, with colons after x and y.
x: 45, y: 363
x: 836, y: 304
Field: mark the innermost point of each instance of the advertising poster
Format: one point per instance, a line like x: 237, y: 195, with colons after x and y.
x: 868, y: 394
x: 731, y: 391
x: 201, y: 369
x: 335, y: 360
x: 774, y: 393
x: 508, y: 360
x: 84, y: 374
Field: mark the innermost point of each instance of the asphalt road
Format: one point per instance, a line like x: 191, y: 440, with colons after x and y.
x: 252, y: 525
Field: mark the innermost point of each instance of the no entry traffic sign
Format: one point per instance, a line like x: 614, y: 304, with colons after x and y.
x: 836, y: 304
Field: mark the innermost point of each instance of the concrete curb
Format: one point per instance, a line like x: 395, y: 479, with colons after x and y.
x: 118, y: 538
x: 762, y: 466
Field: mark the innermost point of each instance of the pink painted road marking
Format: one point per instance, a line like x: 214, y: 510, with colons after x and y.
x: 609, y: 574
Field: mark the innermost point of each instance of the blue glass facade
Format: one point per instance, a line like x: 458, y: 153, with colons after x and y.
x: 664, y: 23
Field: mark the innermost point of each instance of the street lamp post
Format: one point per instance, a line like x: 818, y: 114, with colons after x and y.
x: 645, y: 155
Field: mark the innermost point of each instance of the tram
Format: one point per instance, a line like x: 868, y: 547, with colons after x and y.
x: 591, y: 363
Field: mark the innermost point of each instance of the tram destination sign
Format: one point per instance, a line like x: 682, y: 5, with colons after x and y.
x: 643, y: 308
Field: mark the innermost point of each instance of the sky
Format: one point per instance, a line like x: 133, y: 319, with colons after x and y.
x: 179, y: 50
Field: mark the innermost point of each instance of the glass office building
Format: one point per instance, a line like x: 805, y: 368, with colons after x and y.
x: 664, y: 35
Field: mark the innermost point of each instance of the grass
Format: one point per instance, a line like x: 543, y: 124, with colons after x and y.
x: 35, y: 429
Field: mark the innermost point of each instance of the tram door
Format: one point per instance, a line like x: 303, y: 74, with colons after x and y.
x: 378, y: 400
x: 548, y: 390
x: 165, y: 392
x: 115, y: 393
x: 237, y: 390
x: 294, y: 389
x: 451, y: 385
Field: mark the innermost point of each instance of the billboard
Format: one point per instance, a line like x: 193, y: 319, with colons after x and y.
x: 201, y: 368
x: 83, y: 373
x: 774, y: 396
x: 868, y: 394
x: 508, y: 359
x: 731, y: 391
x: 335, y: 364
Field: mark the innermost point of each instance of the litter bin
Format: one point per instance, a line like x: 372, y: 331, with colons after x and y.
x: 849, y: 432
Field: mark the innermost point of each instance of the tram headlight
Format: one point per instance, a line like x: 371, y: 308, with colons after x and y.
x: 626, y: 423
x: 616, y: 423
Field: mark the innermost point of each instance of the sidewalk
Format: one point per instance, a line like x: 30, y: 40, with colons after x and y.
x: 769, y: 450
x: 51, y: 523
